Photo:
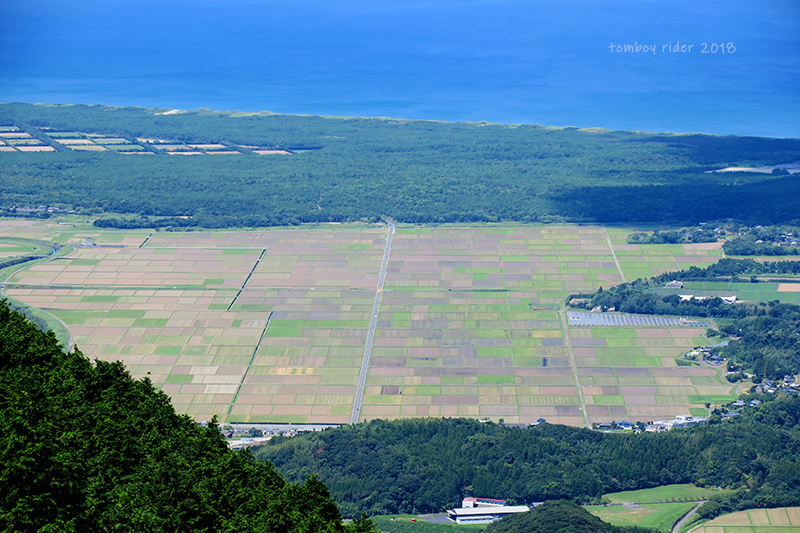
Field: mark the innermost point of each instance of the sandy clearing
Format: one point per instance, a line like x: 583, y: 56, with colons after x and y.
x: 789, y: 287
x: 36, y: 149
x: 70, y: 142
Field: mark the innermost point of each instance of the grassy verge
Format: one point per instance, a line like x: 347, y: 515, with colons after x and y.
x: 53, y: 324
x: 403, y: 524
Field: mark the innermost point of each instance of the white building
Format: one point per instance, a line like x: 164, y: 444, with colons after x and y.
x: 484, y: 515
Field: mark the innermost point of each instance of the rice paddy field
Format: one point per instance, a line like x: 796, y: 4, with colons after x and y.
x: 274, y: 325
x: 780, y: 520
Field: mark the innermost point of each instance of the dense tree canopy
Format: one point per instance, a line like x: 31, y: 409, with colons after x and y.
x: 428, y: 465
x: 84, y: 447
x: 346, y: 169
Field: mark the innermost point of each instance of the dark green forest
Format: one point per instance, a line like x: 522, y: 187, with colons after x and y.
x: 84, y: 447
x: 428, y: 465
x: 766, y: 335
x: 349, y: 169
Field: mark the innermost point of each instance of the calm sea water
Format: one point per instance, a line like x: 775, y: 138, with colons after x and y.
x: 545, y: 62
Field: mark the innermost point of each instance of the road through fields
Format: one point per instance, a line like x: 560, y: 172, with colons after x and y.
x: 362, y: 378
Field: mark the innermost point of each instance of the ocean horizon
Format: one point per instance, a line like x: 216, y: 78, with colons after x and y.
x: 713, y: 67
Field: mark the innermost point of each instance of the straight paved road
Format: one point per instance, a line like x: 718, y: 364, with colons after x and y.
x: 373, y: 322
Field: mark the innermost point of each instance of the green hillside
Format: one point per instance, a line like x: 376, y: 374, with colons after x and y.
x: 83, y: 447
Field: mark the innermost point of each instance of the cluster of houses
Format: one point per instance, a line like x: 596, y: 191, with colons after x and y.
x: 706, y: 354
x: 789, y: 385
x: 38, y: 209
x: 741, y: 403
x: 243, y: 436
x: 680, y: 421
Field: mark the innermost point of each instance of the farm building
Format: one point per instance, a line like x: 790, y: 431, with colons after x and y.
x: 481, y: 502
x: 484, y: 514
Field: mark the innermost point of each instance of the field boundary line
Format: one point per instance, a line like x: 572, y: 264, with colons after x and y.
x: 248, y: 279
x: 613, y: 254
x: 373, y: 321
x: 250, y: 364
x: 145, y: 241
x: 563, y: 320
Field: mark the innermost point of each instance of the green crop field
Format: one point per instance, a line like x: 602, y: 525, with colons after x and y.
x: 272, y: 325
x: 403, y: 524
x: 64, y: 134
x: 659, y: 516
x: 657, y: 508
x: 663, y: 494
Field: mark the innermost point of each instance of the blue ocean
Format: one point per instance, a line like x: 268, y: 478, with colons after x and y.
x: 713, y: 66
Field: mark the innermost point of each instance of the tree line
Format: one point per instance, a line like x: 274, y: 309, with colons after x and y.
x: 428, y: 465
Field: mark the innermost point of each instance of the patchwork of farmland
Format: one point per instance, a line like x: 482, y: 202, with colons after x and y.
x: 272, y: 326
x: 13, y: 139
x: 780, y: 520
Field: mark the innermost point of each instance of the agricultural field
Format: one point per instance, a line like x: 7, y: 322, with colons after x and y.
x: 273, y: 325
x: 14, y: 249
x: 664, y: 494
x: 658, y: 508
x: 753, y: 292
x: 403, y: 524
x: 658, y: 516
x: 780, y: 520
x: 644, y: 261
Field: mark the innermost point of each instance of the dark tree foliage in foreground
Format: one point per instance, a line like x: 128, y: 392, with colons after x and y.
x: 428, y: 465
x: 559, y: 516
x: 84, y: 447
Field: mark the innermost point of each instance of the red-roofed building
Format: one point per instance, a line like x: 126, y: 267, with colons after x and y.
x: 467, y: 503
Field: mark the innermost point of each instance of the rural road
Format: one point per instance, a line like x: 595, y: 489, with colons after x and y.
x: 685, y: 518
x: 613, y: 253
x: 373, y: 322
x: 562, y: 318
